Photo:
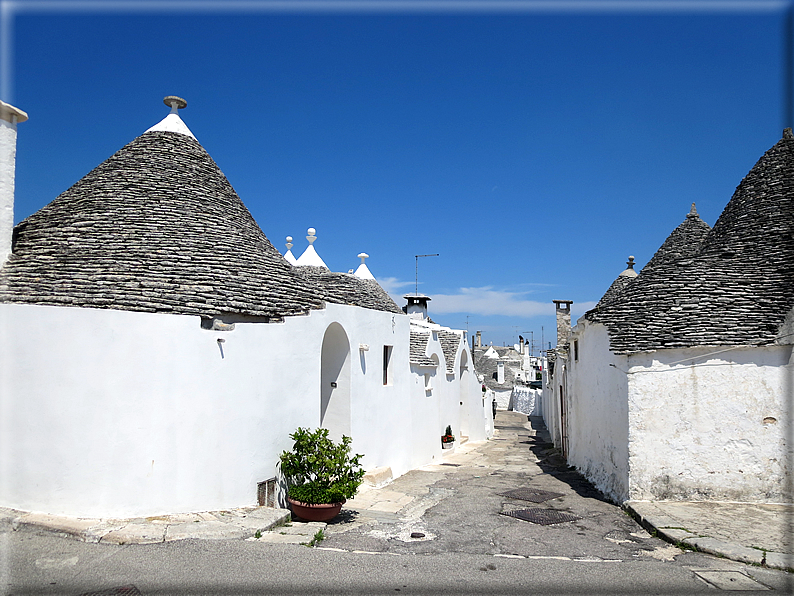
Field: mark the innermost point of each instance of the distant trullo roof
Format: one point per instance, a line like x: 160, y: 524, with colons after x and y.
x: 731, y: 285
x: 158, y: 228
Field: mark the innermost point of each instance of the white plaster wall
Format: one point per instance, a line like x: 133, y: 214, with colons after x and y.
x: 455, y: 400
x: 551, y: 400
x: 118, y: 414
x: 8, y: 148
x: 597, y: 396
x: 711, y: 427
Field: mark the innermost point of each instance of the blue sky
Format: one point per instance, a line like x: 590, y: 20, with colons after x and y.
x: 533, y: 145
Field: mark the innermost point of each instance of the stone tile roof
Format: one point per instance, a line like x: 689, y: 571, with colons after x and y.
x: 683, y: 242
x: 418, y: 349
x: 487, y: 367
x: 614, y: 290
x: 449, y: 345
x: 158, y: 228
x: 345, y: 288
x: 733, y: 286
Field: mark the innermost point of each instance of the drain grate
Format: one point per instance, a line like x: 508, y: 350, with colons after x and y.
x: 453, y: 465
x: 543, y: 517
x: 120, y: 591
x: 530, y: 494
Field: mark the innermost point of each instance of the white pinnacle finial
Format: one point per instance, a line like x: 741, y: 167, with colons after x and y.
x: 176, y: 103
x: 363, y: 271
x: 310, y: 256
x: 289, y: 243
x: 172, y: 122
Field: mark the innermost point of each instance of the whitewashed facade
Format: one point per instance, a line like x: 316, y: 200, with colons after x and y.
x: 112, y: 409
x: 678, y: 385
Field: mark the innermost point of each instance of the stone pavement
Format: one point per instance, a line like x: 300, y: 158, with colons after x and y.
x: 381, y: 519
x: 756, y: 533
x: 217, y: 525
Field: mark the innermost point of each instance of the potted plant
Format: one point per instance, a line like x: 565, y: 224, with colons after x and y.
x: 320, y: 474
x: 447, y: 439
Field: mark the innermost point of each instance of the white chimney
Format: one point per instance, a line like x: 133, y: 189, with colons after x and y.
x: 500, y: 371
x: 9, y: 117
x: 417, y: 306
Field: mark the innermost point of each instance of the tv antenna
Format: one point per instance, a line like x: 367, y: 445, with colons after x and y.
x: 416, y: 280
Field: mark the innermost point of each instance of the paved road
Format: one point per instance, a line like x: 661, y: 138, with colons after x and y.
x: 468, y: 547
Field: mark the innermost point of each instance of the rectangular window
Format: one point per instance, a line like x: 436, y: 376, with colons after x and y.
x: 576, y: 350
x: 387, y: 365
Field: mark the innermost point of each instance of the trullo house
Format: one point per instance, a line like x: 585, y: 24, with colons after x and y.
x: 157, y: 350
x: 678, y: 385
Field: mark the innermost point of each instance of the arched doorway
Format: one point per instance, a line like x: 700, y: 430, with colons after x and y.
x: 335, y: 382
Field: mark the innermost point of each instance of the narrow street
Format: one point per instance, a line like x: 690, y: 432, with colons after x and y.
x: 460, y: 506
x: 462, y: 542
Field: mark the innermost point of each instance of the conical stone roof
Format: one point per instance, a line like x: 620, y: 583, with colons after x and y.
x: 733, y: 286
x: 683, y: 242
x: 158, y: 228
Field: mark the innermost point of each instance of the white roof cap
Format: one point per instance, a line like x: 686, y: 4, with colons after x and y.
x: 310, y: 257
x: 172, y: 122
x: 288, y: 255
x: 363, y: 271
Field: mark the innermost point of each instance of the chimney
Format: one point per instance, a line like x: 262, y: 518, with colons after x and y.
x: 9, y: 117
x: 521, y: 345
x: 500, y: 371
x: 479, y: 339
x: 563, y: 321
x: 417, y: 306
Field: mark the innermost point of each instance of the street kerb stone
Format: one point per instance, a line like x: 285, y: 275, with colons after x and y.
x: 53, y: 523
x: 780, y: 560
x: 674, y: 535
x: 721, y: 548
x: 301, y: 529
x: 136, y: 534
x: 208, y: 530
x: 277, y: 538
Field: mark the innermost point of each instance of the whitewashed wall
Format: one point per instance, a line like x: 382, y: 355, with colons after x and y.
x: 711, y: 427
x: 8, y: 148
x: 598, y: 419
x: 550, y: 403
x: 114, y: 413
x: 455, y: 400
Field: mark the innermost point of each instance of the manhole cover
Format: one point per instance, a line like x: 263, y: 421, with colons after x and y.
x: 543, y: 517
x: 120, y: 591
x: 530, y: 494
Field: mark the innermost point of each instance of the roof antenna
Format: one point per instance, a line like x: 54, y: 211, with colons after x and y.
x: 416, y: 280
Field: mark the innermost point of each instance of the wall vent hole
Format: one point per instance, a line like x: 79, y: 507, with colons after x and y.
x: 266, y: 493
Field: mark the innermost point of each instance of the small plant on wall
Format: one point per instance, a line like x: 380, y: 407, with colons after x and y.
x: 318, y: 470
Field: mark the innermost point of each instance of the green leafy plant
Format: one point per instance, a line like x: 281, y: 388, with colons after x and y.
x: 318, y: 470
x: 448, y: 437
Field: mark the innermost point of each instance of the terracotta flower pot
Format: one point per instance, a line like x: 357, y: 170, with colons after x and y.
x: 320, y: 512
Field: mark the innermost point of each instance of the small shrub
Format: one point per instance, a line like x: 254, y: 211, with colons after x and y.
x: 318, y: 470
